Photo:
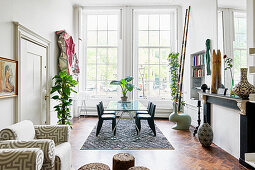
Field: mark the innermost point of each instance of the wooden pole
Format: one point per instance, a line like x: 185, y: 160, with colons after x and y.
x: 180, y: 65
x: 183, y: 62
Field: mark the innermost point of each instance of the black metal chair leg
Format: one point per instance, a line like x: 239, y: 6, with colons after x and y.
x: 152, y: 126
x: 99, y: 126
x: 113, y: 126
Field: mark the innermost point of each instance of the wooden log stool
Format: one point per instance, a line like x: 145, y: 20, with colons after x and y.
x: 138, y: 168
x: 95, y: 166
x: 123, y: 161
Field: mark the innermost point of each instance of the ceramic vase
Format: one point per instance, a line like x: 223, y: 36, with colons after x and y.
x: 244, y: 88
x: 205, y: 135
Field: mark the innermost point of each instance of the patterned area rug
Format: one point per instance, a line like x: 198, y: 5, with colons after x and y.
x: 126, y: 138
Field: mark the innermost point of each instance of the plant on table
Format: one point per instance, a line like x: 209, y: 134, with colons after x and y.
x: 228, y: 66
x: 125, y: 85
x: 173, y: 63
x: 63, y: 85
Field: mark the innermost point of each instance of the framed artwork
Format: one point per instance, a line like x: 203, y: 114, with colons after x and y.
x: 8, y: 77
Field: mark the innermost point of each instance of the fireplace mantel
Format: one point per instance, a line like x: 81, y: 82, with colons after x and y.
x: 247, y: 119
x: 232, y: 102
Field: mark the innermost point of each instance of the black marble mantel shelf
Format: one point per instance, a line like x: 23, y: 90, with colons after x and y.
x: 235, y: 103
x: 247, y: 119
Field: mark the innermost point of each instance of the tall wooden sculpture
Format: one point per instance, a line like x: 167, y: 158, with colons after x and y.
x: 214, y: 72
x: 182, y: 120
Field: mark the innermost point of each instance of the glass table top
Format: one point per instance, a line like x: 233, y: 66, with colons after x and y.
x: 125, y: 106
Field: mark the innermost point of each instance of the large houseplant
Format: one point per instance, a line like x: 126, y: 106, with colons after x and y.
x: 173, y: 63
x: 125, y: 86
x: 63, y: 87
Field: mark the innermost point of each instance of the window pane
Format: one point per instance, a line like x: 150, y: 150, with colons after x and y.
x: 143, y: 22
x: 164, y: 22
x: 102, y: 56
x: 92, y: 22
x: 101, y: 72
x: 154, y: 73
x: 153, y: 22
x: 143, y: 55
x: 144, y: 86
x: 92, y: 38
x: 112, y: 72
x: 91, y: 87
x: 91, y: 55
x: 102, y: 38
x: 154, y: 88
x: 112, y: 38
x: 154, y: 56
x: 154, y: 38
x: 164, y: 52
x: 143, y: 38
x: 102, y: 22
x: 164, y: 38
x: 112, y: 22
x: 143, y: 72
x: 112, y: 55
x: 243, y: 58
x: 91, y: 72
x: 164, y: 73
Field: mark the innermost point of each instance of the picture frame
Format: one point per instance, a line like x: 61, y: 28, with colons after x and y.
x: 222, y: 91
x: 8, y: 77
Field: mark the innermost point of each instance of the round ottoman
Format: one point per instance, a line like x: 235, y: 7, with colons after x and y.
x: 95, y: 166
x: 138, y: 168
x: 123, y: 161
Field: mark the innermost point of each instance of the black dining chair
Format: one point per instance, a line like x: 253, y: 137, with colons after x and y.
x: 105, y: 111
x: 145, y: 111
x: 102, y: 117
x: 149, y: 117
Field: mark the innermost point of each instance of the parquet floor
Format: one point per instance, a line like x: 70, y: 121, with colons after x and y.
x: 188, y: 153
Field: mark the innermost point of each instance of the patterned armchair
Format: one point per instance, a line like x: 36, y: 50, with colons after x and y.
x: 52, y: 142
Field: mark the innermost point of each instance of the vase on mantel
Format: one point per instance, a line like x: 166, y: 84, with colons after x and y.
x: 232, y: 94
x: 244, y: 88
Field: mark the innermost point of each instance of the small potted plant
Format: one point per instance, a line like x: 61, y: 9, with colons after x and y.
x: 125, y: 86
x: 228, y: 66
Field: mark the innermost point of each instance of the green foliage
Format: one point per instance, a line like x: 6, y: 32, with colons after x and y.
x: 124, y: 84
x: 173, y: 63
x: 63, y: 87
x: 228, y: 65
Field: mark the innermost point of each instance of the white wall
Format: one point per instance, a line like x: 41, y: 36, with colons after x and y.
x: 226, y: 129
x: 41, y: 16
x: 203, y: 25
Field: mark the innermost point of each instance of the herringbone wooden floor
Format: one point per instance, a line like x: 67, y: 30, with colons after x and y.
x: 188, y: 153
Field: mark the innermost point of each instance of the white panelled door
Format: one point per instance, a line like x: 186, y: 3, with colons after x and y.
x: 33, y: 82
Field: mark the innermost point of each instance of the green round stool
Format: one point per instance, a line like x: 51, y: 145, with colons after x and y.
x: 95, y: 166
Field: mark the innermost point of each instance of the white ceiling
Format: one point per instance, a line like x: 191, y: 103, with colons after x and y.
x: 238, y: 4
x: 130, y: 2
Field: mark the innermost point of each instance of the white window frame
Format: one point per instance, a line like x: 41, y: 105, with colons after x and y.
x: 126, y: 49
x: 173, y: 44
x: 98, y: 11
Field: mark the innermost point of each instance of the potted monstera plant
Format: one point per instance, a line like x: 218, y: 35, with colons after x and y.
x: 125, y: 85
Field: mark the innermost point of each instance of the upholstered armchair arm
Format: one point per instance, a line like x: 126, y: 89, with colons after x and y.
x: 22, y: 158
x: 46, y: 145
x: 58, y: 133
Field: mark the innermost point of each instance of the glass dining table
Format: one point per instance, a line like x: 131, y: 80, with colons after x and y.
x: 129, y: 108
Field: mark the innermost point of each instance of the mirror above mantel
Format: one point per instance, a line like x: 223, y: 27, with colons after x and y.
x: 232, y: 37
